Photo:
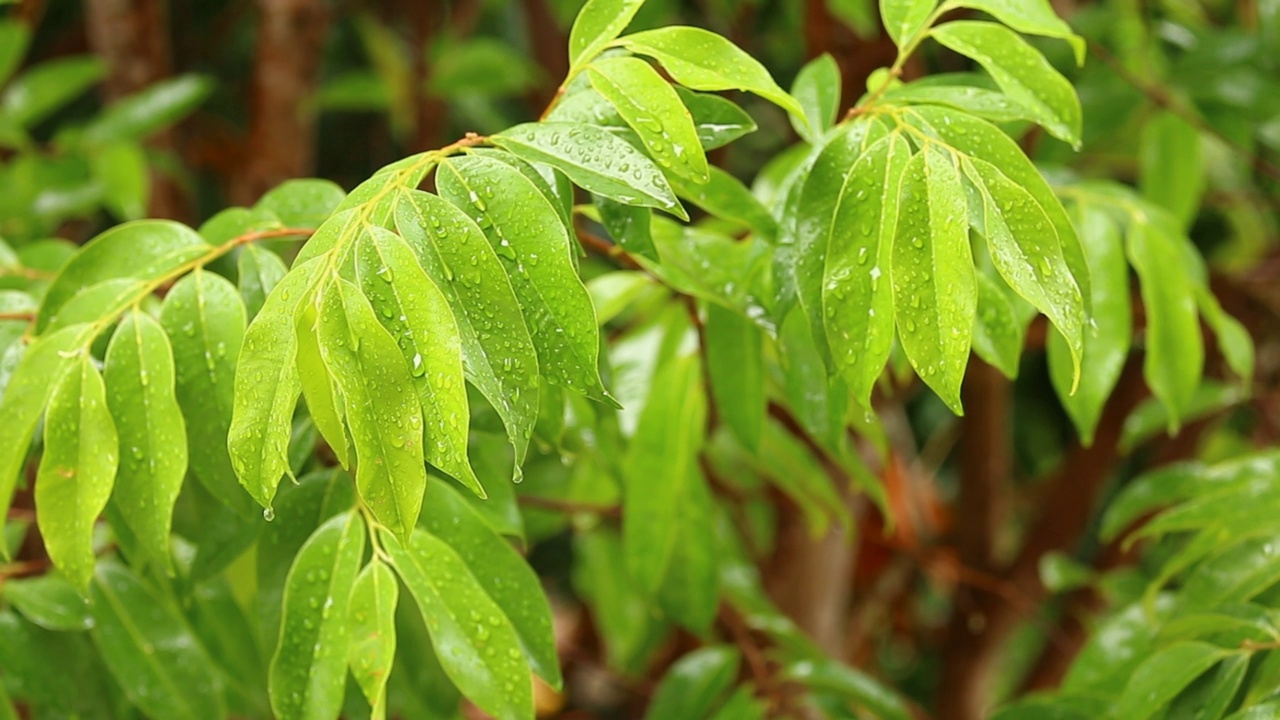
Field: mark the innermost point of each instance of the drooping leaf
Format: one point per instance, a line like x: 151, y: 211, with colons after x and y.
x: 476, y: 644
x: 654, y: 111
x: 139, y: 378
x: 373, y: 632
x: 594, y: 159
x: 735, y: 367
x: 150, y: 650
x: 380, y: 403
x: 694, y: 684
x: 205, y: 320
x: 306, y: 675
x: 498, y: 356
x: 934, y: 288
x: 726, y: 197
x: 1233, y: 338
x: 628, y: 628
x: 413, y: 309
x: 598, y: 23
x: 1020, y: 71
x: 77, y: 469
x: 536, y: 253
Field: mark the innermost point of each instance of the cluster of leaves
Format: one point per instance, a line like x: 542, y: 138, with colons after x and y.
x: 54, y: 171
x: 444, y: 343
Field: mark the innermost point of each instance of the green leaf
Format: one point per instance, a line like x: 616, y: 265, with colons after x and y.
x: 77, y: 469
x: 1031, y: 17
x: 817, y: 89
x: 735, y: 367
x: 1027, y: 252
x: 593, y: 158
x: 724, y: 196
x: 984, y: 103
x: 536, y: 252
x: 150, y: 650
x: 694, y: 684
x: 42, y: 90
x: 853, y: 685
x: 381, y: 406
x: 373, y: 632
x: 122, y: 171
x: 1106, y: 343
x: 506, y: 578
x: 139, y: 376
x: 28, y: 391
x: 100, y: 303
x: 205, y: 320
x: 654, y: 111
x: 81, y: 688
x: 225, y: 630
x: 304, y: 203
x: 14, y: 37
x: 905, y: 19
x: 49, y: 601
x: 498, y: 356
x: 598, y: 23
x: 152, y: 109
x: 820, y: 401
x: 1174, y: 349
x: 1209, y: 696
x: 307, y: 672
x: 1233, y: 339
x: 413, y: 309
x: 628, y: 225
x: 258, y: 271
x: 476, y: 644
x: 1020, y: 71
x: 934, y: 289
x: 717, y: 120
x: 267, y: 389
x: 143, y: 250
x: 628, y: 628
x: 1163, y: 675
x: 1171, y: 165
x: 858, y: 313
x: 997, y: 334
x: 702, y: 60
x: 316, y: 376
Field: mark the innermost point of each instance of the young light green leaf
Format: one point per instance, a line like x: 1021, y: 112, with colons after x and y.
x: 267, y: 389
x: 724, y: 196
x: 1174, y: 349
x: 412, y: 308
x: 150, y: 650
x: 498, y: 356
x: 1106, y: 343
x: 77, y: 470
x: 997, y: 335
x: 905, y: 19
x: 817, y: 89
x: 139, y: 377
x: 934, y: 290
x: 694, y: 684
x: 593, y: 158
x: 654, y: 111
x: 144, y: 250
x: 598, y: 23
x: 702, y: 60
x: 1163, y: 675
x: 205, y: 320
x: 536, y: 249
x: 1031, y: 17
x: 373, y: 632
x: 1027, y: 252
x: 473, y: 639
x: 506, y: 578
x: 49, y: 601
x: 1020, y: 71
x: 258, y: 271
x: 735, y: 367
x: 39, y: 372
x: 857, y: 312
x: 307, y: 671
x: 381, y: 406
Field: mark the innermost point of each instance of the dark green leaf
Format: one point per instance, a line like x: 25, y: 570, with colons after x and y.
x: 1163, y: 675
x: 49, y: 601
x: 724, y: 196
x: 694, y: 684
x: 735, y: 366
x: 628, y: 225
x: 997, y: 335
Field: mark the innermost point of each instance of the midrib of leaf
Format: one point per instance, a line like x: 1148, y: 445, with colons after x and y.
x: 141, y: 642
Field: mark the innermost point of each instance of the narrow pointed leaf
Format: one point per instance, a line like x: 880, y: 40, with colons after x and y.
x: 735, y: 367
x: 306, y: 676
x: 694, y: 684
x: 934, y: 289
x: 77, y: 469
x: 599, y: 22
x: 475, y: 643
x: 373, y: 632
x: 413, y: 309
x: 498, y: 356
x: 139, y: 378
x: 380, y: 403
x: 594, y: 159
x: 817, y: 89
x: 1163, y: 675
x: 536, y: 252
x: 150, y: 650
